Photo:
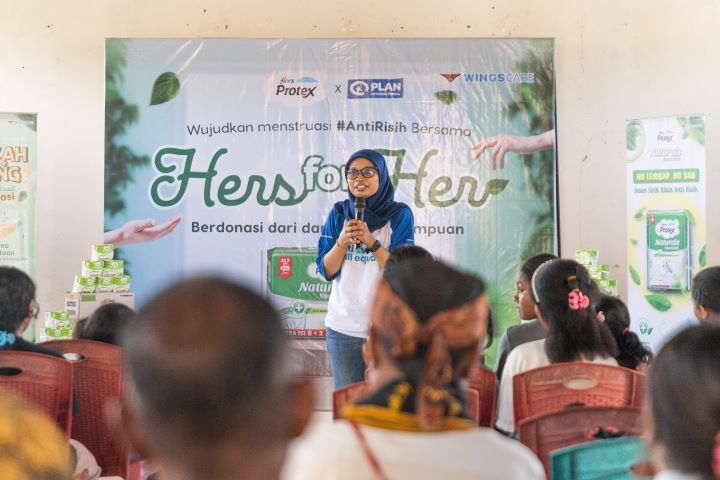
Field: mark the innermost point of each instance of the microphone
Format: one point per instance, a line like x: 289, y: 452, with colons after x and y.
x: 359, y: 214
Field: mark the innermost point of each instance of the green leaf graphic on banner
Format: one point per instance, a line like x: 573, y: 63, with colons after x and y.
x: 659, y: 302
x: 532, y: 105
x: 120, y: 159
x: 633, y: 242
x: 690, y: 217
x: 22, y: 196
x: 698, y: 136
x: 540, y: 240
x: 166, y: 87
x: 693, y: 127
x: 495, y: 186
x: 634, y: 274
x: 639, y: 214
x: 635, y: 141
x: 448, y: 97
x: 703, y: 256
x: 29, y: 119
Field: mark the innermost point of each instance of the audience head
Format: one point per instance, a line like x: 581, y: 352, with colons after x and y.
x: 614, y: 314
x: 403, y: 253
x: 17, y: 300
x: 525, y: 305
x: 209, y: 365
x: 430, y: 331
x: 105, y: 323
x: 31, y: 445
x: 684, y: 395
x: 564, y: 293
x: 706, y: 295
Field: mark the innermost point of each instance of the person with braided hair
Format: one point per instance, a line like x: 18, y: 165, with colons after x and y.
x: 412, y: 421
x: 563, y: 294
x: 684, y: 406
x: 706, y: 295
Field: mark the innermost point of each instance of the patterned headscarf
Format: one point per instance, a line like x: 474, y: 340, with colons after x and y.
x: 405, y: 335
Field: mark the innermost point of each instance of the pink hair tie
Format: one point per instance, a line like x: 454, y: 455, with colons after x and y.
x: 625, y: 330
x: 577, y: 300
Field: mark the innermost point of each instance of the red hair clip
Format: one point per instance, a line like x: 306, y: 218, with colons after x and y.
x: 577, y: 301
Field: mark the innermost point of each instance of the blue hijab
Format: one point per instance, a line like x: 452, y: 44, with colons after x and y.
x: 381, y: 206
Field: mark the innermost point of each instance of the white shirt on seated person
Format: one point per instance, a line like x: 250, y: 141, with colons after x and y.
x: 331, y: 451
x: 521, y: 359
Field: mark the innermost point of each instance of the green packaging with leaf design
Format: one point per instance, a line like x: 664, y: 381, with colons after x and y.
x: 668, y: 250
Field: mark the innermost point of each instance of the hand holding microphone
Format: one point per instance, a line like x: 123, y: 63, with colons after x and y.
x: 360, y: 203
x: 356, y: 231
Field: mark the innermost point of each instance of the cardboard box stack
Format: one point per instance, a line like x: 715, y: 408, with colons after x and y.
x: 101, y: 273
x: 102, y: 280
x: 599, y: 272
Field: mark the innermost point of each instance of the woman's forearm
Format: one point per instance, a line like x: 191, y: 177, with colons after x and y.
x: 333, y: 260
x: 381, y: 255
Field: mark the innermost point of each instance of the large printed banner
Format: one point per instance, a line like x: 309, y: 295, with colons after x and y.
x: 666, y: 222
x: 17, y: 190
x: 245, y: 140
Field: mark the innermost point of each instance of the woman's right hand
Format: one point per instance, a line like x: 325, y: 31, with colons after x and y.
x: 349, y: 234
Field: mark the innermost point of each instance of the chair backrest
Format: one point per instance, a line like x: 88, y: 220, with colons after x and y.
x: 553, y: 387
x: 485, y: 382
x: 551, y: 431
x: 44, y: 380
x: 607, y: 459
x: 344, y: 395
x: 472, y: 398
x: 98, y: 378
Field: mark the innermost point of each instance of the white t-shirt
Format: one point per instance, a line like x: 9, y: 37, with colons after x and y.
x: 352, y: 292
x: 332, y: 451
x: 521, y: 359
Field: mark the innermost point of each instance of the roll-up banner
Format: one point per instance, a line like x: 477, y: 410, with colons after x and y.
x: 667, y: 226
x: 17, y: 190
x: 18, y: 157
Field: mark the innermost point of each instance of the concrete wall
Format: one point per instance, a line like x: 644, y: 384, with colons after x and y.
x: 615, y: 60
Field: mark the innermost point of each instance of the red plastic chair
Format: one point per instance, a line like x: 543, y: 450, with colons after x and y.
x: 551, y: 431
x: 551, y: 388
x: 42, y: 379
x: 98, y: 378
x: 472, y: 397
x: 484, y: 382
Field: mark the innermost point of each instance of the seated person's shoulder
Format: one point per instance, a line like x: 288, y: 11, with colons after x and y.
x: 333, y: 439
x: 22, y: 345
x: 525, y: 332
x: 526, y: 356
x: 518, y: 460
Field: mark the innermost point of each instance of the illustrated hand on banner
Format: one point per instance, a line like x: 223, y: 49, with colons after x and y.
x: 501, y: 144
x: 138, y: 231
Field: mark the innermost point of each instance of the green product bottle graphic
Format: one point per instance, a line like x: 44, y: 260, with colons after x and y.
x: 668, y: 250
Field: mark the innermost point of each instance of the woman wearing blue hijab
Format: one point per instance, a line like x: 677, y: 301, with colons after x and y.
x: 355, y: 271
